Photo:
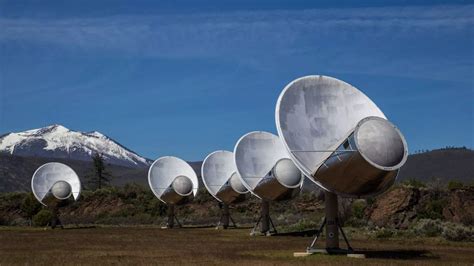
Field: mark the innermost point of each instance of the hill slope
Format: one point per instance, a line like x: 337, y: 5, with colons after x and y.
x: 445, y: 164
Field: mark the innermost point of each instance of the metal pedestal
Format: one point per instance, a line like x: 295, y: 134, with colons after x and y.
x: 267, y: 226
x: 172, y: 217
x: 225, y: 218
x: 331, y: 222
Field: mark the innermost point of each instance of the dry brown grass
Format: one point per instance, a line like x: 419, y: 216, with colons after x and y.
x: 147, y: 245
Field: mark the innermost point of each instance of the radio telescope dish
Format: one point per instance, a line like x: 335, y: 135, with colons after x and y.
x: 221, y: 179
x: 53, y: 184
x: 321, y: 120
x: 265, y: 167
x: 57, y: 180
x: 266, y: 170
x: 341, y: 140
x: 173, y: 181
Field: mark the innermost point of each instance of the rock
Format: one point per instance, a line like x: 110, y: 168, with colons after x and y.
x: 460, y: 208
x: 399, y: 207
x: 396, y: 208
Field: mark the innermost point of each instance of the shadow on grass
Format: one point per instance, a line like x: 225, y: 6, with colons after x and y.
x: 211, y: 226
x: 398, y: 254
x: 194, y: 227
x: 77, y: 227
x: 298, y: 233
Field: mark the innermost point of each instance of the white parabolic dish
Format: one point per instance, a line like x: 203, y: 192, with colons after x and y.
x: 165, y: 170
x: 49, y: 174
x: 216, y: 171
x: 256, y: 154
x: 315, y: 114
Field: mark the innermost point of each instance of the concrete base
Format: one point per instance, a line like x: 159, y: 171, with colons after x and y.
x: 262, y: 234
x: 338, y: 251
x: 330, y: 251
x: 356, y: 255
x: 302, y: 254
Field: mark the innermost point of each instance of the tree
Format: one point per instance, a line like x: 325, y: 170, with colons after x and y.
x: 100, y: 176
x: 30, y: 206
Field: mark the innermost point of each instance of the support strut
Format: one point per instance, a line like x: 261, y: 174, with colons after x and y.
x: 225, y: 217
x: 333, y: 226
x: 267, y: 225
x: 172, y: 217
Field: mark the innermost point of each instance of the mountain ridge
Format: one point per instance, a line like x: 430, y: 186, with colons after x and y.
x: 57, y: 141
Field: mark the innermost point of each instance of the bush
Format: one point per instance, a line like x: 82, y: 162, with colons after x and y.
x: 302, y: 225
x: 370, y: 201
x: 385, y: 233
x: 30, y: 206
x: 155, y: 207
x: 203, y: 196
x: 455, y: 185
x: 357, y: 223
x: 358, y: 208
x: 447, y: 230
x: 43, y: 217
x: 412, y: 182
x: 457, y: 232
x: 433, y: 209
x: 428, y: 227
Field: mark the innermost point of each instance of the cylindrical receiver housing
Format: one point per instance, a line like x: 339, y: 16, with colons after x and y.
x: 367, y: 162
x: 179, y: 190
x: 283, y: 182
x: 232, y: 191
x: 61, y: 190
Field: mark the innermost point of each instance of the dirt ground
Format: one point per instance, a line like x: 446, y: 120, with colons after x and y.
x: 207, y: 246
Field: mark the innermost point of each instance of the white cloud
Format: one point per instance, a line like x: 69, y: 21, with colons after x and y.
x: 351, y: 34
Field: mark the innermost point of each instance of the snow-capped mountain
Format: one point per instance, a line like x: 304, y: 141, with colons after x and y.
x: 56, y: 141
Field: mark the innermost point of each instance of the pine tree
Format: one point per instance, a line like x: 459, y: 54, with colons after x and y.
x: 100, y: 176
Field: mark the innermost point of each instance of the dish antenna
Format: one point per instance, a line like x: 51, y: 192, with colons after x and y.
x: 341, y: 140
x: 267, y: 171
x: 53, y: 184
x: 221, y: 179
x: 174, y: 182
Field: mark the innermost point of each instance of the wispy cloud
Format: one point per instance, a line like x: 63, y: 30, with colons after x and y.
x: 241, y: 36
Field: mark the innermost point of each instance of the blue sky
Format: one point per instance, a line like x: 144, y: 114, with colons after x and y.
x: 186, y: 78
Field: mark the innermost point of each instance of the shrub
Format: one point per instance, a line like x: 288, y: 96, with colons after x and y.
x: 358, y: 208
x: 30, y: 206
x: 447, y: 230
x: 455, y: 185
x: 384, y: 233
x: 433, y: 209
x: 355, y: 222
x: 42, y: 218
x: 370, y: 201
x: 302, y: 225
x: 457, y: 232
x: 155, y: 207
x: 309, y: 196
x: 412, y: 182
x: 203, y: 196
x: 428, y: 227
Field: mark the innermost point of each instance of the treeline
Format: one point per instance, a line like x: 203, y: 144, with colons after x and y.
x: 441, y: 149
x: 436, y: 184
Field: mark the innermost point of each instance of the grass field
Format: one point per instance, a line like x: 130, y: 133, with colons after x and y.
x: 207, y: 246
